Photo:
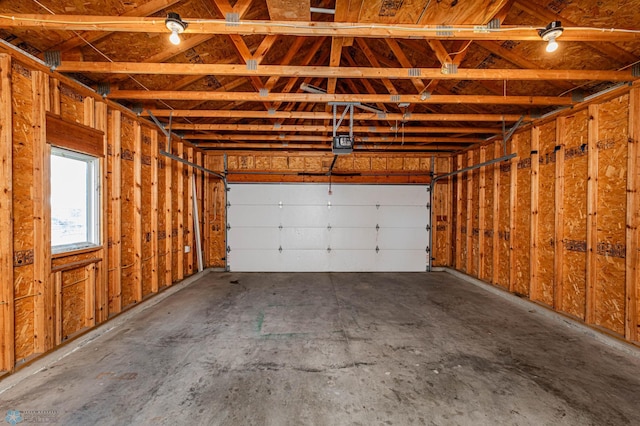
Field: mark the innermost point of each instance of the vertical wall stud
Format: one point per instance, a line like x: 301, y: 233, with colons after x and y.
x: 592, y: 220
x: 7, y: 352
x: 154, y: 212
x: 43, y: 288
x: 482, y: 214
x: 458, y: 261
x: 534, y: 290
x: 137, y: 214
x: 102, y: 295
x: 115, y: 232
x: 469, y: 217
x: 633, y: 218
x: 513, y: 206
x: 168, y: 221
x: 180, y: 213
x: 558, y: 276
x: 496, y: 215
x: 190, y: 240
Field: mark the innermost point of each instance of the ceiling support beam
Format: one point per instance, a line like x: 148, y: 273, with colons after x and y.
x: 322, y: 128
x: 343, y: 72
x: 363, y: 98
x: 312, y: 29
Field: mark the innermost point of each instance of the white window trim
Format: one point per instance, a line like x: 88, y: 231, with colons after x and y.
x: 93, y: 200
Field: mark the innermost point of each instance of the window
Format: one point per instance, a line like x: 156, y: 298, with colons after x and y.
x: 75, y: 209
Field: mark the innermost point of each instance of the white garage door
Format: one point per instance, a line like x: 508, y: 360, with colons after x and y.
x: 301, y: 227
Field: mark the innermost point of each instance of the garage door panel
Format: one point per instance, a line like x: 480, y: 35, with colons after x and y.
x: 289, y: 227
x: 353, y: 216
x: 304, y: 216
x: 304, y: 238
x: 402, y: 238
x: 401, y: 261
x: 402, y: 216
x: 255, y: 260
x: 352, y: 260
x: 253, y: 215
x: 352, y: 239
x: 260, y: 238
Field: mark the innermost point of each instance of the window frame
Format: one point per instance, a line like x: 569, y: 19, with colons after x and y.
x: 93, y: 203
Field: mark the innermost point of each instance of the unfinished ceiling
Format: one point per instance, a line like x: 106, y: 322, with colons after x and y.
x: 434, y: 76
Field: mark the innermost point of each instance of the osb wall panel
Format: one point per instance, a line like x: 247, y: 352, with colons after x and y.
x: 113, y: 237
x: 23, y: 230
x: 504, y: 224
x: 475, y: 216
x: 127, y: 209
x: 521, y: 242
x: 463, y: 215
x: 176, y: 210
x: 575, y: 214
x: 73, y: 294
x: 486, y: 228
x: 71, y: 104
x: 612, y: 173
x: 215, y: 212
x: 147, y: 232
x: 161, y: 234
x: 187, y: 219
x: 546, y: 212
x: 442, y: 214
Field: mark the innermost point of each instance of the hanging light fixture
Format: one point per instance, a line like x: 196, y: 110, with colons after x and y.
x: 176, y: 25
x: 550, y: 33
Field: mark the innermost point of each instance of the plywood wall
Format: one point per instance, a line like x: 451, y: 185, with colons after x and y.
x: 567, y: 214
x: 146, y: 204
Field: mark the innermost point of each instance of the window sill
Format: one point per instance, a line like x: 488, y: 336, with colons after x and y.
x: 74, y: 252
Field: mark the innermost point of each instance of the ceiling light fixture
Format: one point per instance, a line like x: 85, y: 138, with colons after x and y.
x: 176, y: 25
x: 550, y: 33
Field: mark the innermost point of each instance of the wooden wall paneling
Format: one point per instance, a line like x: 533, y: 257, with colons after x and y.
x: 44, y: 297
x: 498, y: 212
x: 592, y: 211
x: 534, y: 288
x: 199, y: 159
x: 469, y: 215
x: 482, y: 214
x: 522, y: 229
x: 633, y: 219
x: 574, y: 212
x: 54, y: 92
x: 558, y: 261
x: 459, y: 217
x: 612, y: 149
x: 475, y: 213
x: 162, y: 215
x: 129, y: 228
x: 189, y: 240
x: 146, y: 208
x: 7, y: 331
x: 155, y: 185
x: 23, y: 225
x: 179, y: 213
x: 489, y: 213
x: 114, y: 239
x: 168, y: 220
x: 441, y: 226
x: 545, y: 247
x: 449, y: 213
x: 136, y: 233
x: 102, y: 295
x: 57, y: 283
x: 90, y: 295
x: 513, y: 213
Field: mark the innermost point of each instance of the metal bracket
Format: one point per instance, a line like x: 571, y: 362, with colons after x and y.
x: 280, y: 249
x: 377, y: 249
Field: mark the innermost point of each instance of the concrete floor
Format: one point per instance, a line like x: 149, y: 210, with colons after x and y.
x: 337, y: 349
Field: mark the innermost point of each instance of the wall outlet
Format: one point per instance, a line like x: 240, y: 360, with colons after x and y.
x: 187, y: 249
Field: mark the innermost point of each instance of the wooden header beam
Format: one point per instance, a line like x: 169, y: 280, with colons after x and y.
x: 351, y: 97
x: 311, y: 115
x: 308, y: 29
x: 311, y: 128
x: 327, y: 147
x: 323, y: 138
x: 341, y: 72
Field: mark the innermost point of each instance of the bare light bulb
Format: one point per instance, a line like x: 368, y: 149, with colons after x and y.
x: 552, y: 46
x: 174, y: 37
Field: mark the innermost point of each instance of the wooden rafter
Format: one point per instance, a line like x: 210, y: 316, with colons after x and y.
x: 325, y: 138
